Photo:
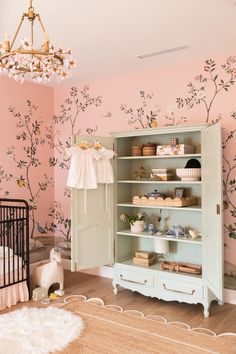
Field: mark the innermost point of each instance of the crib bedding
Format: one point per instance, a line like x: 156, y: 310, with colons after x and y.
x: 12, y: 294
x: 14, y: 271
x: 14, y: 251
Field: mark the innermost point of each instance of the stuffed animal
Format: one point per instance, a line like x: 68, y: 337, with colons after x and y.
x: 50, y: 273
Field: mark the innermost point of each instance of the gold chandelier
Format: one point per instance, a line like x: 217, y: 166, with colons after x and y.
x: 40, y: 63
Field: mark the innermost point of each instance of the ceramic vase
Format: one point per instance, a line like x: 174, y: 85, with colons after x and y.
x: 137, y: 226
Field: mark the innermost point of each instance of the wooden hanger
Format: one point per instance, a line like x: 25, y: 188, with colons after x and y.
x: 97, y: 145
x: 84, y: 145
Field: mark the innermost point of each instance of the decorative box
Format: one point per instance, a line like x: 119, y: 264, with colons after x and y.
x: 162, y: 177
x: 149, y: 149
x: 144, y: 254
x: 39, y: 294
x: 144, y: 261
x: 179, y: 149
x: 136, y: 150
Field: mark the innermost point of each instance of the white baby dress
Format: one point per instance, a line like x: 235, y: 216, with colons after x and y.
x: 82, y: 174
x: 102, y: 159
x: 104, y: 172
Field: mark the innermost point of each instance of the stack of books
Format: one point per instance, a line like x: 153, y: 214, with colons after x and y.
x: 144, y: 258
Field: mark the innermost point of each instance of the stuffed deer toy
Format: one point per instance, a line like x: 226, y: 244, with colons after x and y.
x: 50, y: 273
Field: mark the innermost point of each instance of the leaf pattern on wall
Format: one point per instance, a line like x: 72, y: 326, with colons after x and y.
x: 143, y: 116
x: 198, y: 93
x: 209, y: 86
x: 28, y: 132
x: 4, y: 177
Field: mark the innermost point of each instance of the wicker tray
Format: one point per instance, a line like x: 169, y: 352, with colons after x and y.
x: 170, y: 202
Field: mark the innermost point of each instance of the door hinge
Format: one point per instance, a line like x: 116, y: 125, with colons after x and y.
x: 218, y: 209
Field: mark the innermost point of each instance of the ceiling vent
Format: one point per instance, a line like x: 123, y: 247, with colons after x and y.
x: 165, y: 51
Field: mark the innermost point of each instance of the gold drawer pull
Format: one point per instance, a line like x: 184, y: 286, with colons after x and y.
x: 178, y: 291
x: 133, y: 281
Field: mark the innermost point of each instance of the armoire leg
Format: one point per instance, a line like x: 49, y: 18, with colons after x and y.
x: 206, y: 311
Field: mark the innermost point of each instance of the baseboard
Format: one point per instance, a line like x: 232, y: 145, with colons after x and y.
x: 230, y: 296
x: 103, y: 271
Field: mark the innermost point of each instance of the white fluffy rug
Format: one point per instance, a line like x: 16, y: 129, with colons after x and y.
x: 38, y: 330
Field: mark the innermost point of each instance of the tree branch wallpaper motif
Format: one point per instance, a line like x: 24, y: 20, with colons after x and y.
x: 73, y: 106
x: 229, y: 182
x: 4, y: 177
x: 142, y: 117
x: 29, y: 133
x: 198, y: 94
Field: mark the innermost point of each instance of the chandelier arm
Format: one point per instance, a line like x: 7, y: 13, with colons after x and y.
x: 41, y: 23
x: 17, y: 31
x: 32, y: 33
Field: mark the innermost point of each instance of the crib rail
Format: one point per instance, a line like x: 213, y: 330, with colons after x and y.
x: 14, y: 242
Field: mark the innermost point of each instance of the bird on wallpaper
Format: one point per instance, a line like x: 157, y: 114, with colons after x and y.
x: 40, y: 229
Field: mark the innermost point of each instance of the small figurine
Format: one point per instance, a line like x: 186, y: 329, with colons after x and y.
x: 151, y: 229
x: 178, y: 230
x: 193, y: 233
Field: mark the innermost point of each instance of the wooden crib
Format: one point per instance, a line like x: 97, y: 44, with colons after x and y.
x: 14, y: 252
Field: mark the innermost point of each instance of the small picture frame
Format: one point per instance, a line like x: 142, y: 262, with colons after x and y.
x: 179, y: 193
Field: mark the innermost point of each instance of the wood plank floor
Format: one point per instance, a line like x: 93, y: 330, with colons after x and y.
x: 222, y: 318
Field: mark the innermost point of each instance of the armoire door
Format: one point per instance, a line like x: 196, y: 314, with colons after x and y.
x: 212, y: 230
x: 92, y: 221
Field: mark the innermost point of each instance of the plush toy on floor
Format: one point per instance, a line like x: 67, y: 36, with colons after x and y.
x: 50, y: 273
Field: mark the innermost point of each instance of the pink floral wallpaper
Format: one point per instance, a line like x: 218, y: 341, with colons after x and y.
x: 24, y: 168
x: 39, y: 121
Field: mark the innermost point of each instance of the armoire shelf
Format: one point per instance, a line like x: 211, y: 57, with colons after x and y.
x: 161, y: 237
x: 138, y: 181
x: 156, y: 267
x: 182, y: 209
x: 159, y: 157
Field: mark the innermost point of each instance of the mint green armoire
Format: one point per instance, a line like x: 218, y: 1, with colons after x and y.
x: 99, y: 237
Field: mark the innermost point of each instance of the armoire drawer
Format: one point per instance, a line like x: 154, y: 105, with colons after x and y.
x: 179, y: 286
x: 133, y: 277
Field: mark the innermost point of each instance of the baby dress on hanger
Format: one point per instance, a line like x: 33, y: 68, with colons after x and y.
x: 104, y: 171
x: 82, y: 173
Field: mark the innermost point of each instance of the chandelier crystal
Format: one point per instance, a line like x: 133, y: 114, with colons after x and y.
x: 41, y: 64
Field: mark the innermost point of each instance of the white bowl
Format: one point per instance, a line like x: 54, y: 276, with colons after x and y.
x: 189, y: 174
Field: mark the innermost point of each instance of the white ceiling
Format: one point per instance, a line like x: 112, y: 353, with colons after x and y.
x: 106, y: 36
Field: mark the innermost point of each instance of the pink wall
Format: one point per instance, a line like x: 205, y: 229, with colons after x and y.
x: 16, y: 95
x: 96, y: 109
x: 166, y: 84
